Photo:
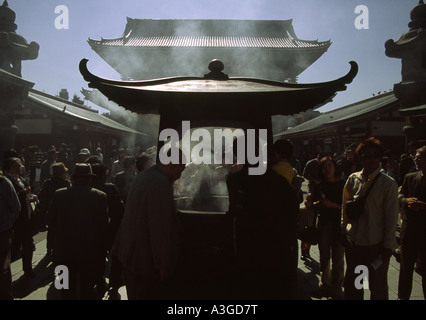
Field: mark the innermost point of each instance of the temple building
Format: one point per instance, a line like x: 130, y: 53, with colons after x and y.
x: 31, y: 118
x: 334, y: 130
x: 47, y: 120
x: 164, y: 48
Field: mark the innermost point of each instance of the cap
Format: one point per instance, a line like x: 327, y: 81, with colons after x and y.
x: 85, y: 152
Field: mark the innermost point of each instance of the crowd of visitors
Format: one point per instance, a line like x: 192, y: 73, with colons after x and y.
x: 121, y: 212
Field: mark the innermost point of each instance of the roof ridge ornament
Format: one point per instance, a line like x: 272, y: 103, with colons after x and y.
x: 216, y: 67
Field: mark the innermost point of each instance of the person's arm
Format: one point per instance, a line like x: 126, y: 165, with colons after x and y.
x: 406, y: 201
x: 308, y: 201
x: 402, y: 195
x: 162, y: 225
x: 346, y: 196
x: 329, y: 204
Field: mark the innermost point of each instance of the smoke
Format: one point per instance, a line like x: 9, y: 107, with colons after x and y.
x: 282, y: 123
x: 202, y: 187
x: 169, y: 49
x: 147, y: 124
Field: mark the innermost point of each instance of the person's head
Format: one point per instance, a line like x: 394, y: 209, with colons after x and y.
x: 98, y: 150
x: 143, y: 161
x: 174, y: 170
x: 386, y: 163
x: 121, y: 154
x: 283, y: 150
x: 322, y: 154
x: 101, y: 172
x: 84, y: 154
x: 370, y: 153
x: 349, y: 153
x: 59, y: 170
x: 93, y: 159
x: 83, y: 174
x: 327, y: 169
x: 51, y: 155
x: 12, y: 166
x: 129, y: 163
x: 420, y: 159
x: 62, y: 147
x: 412, y: 147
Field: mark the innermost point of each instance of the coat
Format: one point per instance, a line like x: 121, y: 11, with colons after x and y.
x: 412, y: 222
x: 149, y: 235
x: 79, y: 215
x: 265, y: 209
x: 115, y: 210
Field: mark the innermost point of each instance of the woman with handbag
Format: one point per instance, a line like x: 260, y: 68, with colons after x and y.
x: 326, y: 200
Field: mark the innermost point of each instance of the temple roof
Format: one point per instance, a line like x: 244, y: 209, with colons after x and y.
x: 147, y: 46
x: 344, y: 115
x: 70, y: 110
x: 210, y: 33
x: 211, y: 41
x: 414, y: 111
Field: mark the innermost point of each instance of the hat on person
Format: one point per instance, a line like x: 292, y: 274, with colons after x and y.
x: 59, y: 169
x: 83, y: 170
x: 84, y: 152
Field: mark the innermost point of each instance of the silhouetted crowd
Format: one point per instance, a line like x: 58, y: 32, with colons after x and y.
x: 118, y: 216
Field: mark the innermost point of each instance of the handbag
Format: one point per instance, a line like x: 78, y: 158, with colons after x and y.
x: 310, y: 234
x: 354, y: 208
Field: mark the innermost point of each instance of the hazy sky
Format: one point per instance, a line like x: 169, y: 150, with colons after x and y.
x: 62, y: 49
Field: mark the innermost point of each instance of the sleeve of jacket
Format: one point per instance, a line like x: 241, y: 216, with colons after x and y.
x: 391, y: 211
x: 163, y: 228
x: 13, y: 200
x: 403, y: 194
x: 103, y: 216
x: 52, y: 211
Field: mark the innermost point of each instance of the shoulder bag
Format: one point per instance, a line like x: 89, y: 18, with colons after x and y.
x: 354, y: 208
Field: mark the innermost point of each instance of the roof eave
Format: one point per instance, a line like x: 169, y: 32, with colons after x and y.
x: 141, y: 97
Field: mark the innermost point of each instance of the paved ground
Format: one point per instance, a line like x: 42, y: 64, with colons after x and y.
x: 42, y: 286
